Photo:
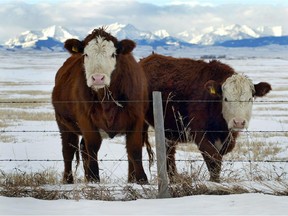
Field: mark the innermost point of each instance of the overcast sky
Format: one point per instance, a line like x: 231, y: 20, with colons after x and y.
x: 173, y: 15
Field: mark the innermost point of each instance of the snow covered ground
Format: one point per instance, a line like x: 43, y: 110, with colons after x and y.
x: 30, y: 76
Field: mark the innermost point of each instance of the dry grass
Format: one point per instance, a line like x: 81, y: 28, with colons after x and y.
x: 18, y: 115
x: 257, y: 147
x: 7, y: 138
x: 188, y: 147
x: 253, y: 147
x: 25, y: 92
x: 20, y: 178
x: 4, y: 123
x: 13, y: 111
x: 28, y: 104
x: 45, y: 185
x: 24, y: 99
x: 35, y: 185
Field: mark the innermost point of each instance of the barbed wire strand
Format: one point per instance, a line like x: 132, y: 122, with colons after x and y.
x: 126, y: 160
x: 131, y: 131
x: 139, y: 101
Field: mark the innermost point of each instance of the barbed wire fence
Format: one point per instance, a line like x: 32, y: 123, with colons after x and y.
x: 160, y: 143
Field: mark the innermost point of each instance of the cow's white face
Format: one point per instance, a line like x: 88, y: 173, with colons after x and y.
x: 99, y: 62
x: 237, y: 92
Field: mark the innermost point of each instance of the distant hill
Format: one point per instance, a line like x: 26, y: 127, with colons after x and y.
x: 214, y: 35
x: 255, y: 42
x: 52, y: 38
x: 48, y: 38
x: 146, y: 38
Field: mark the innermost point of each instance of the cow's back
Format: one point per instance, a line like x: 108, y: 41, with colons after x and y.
x: 181, y: 82
x: 183, y: 76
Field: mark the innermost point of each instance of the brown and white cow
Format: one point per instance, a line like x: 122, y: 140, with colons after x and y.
x: 97, y: 88
x: 208, y: 103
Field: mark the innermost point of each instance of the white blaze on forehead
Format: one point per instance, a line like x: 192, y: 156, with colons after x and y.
x: 237, y: 102
x: 99, y: 60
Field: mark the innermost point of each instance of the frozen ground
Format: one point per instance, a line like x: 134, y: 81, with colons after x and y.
x: 30, y: 76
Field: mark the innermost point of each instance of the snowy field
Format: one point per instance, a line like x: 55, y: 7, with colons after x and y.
x: 30, y: 142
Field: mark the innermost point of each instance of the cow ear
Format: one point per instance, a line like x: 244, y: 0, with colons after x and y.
x: 261, y: 89
x: 125, y: 46
x: 74, y: 46
x: 213, y: 88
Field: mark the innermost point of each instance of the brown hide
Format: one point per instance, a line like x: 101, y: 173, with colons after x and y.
x: 81, y: 111
x: 199, y: 113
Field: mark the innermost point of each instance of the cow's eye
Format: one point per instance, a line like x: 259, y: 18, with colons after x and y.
x: 85, y: 55
x: 113, y: 55
x: 225, y: 99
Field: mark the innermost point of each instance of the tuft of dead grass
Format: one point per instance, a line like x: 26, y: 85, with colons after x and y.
x: 7, y: 138
x: 20, y: 115
x: 20, y: 178
x: 189, y: 186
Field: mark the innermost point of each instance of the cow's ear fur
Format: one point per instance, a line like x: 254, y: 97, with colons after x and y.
x: 74, y: 46
x: 261, y: 89
x: 213, y: 88
x: 125, y: 46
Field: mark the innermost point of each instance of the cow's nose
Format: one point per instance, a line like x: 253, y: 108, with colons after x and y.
x: 98, y: 79
x: 239, y: 123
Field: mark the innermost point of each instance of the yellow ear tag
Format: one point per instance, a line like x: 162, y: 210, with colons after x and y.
x: 212, y: 91
x: 74, y: 49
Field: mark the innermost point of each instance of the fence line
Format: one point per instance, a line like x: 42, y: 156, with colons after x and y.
x: 126, y: 160
x: 149, y: 131
x: 141, y: 101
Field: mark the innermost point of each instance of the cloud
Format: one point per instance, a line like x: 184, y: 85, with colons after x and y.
x: 83, y: 15
x: 191, y: 3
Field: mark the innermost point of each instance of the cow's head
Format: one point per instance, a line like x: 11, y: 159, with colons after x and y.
x: 237, y: 94
x: 100, y: 51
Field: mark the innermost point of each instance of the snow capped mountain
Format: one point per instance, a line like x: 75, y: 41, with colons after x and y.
x: 147, y: 38
x: 212, y: 35
x: 270, y: 31
x: 52, y: 38
x: 58, y: 33
x: 122, y: 31
x: 162, y: 33
x: 54, y: 34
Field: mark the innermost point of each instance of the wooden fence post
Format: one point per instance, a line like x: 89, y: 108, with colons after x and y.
x: 163, y: 191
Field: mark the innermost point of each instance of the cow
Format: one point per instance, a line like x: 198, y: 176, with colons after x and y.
x: 204, y: 102
x: 100, y: 87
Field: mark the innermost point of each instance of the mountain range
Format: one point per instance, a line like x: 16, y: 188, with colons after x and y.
x: 52, y: 38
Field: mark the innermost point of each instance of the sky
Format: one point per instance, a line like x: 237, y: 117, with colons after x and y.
x: 166, y: 2
x: 175, y: 16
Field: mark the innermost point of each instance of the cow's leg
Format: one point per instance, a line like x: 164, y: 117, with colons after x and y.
x: 69, y: 147
x: 214, y: 167
x: 131, y: 171
x: 171, y: 164
x: 134, y: 150
x: 212, y: 158
x: 84, y: 155
x: 92, y: 141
